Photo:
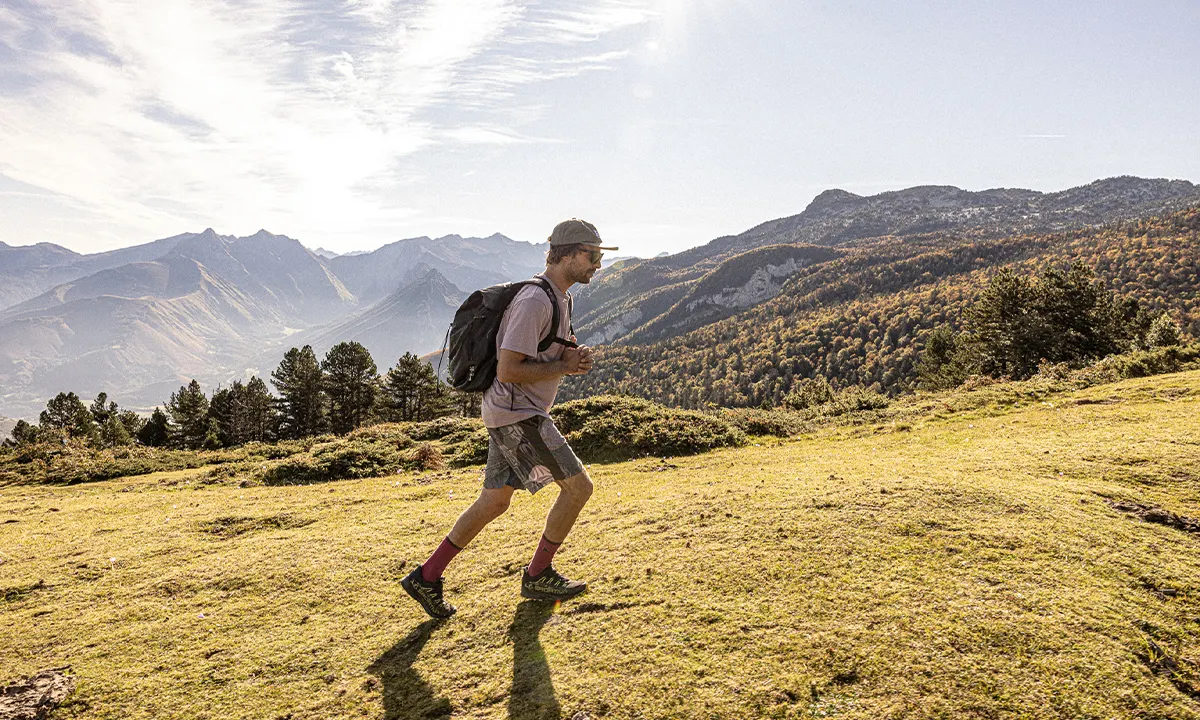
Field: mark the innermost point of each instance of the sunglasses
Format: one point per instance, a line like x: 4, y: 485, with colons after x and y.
x: 594, y: 255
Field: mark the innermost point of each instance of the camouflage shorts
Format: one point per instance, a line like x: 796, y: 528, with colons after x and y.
x: 528, y: 454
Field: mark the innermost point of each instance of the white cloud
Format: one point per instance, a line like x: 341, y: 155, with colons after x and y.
x: 274, y: 112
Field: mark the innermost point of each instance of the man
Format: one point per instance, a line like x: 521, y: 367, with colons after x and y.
x: 525, y: 449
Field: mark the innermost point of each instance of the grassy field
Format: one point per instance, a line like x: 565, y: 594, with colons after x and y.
x: 967, y: 559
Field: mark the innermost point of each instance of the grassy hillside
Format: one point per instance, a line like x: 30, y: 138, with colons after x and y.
x: 970, y: 555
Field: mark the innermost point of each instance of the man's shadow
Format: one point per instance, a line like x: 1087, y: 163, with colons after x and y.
x: 406, y: 695
x: 532, y: 696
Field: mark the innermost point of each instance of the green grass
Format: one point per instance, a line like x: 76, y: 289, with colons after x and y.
x: 952, y: 556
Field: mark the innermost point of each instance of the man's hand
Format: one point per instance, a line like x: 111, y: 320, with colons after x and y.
x: 578, y: 360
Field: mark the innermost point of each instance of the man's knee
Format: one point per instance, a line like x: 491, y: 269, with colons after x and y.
x: 579, y: 487
x: 494, y: 503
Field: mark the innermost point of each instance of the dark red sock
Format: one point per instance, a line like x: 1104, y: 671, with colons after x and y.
x: 437, y: 562
x: 542, y: 556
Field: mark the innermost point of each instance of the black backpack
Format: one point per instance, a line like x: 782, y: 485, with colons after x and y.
x: 472, y: 334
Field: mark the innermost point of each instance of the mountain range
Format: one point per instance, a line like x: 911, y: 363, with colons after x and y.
x: 140, y: 321
x: 626, y: 302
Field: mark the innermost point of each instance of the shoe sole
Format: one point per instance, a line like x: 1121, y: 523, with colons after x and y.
x: 413, y: 594
x: 535, y: 595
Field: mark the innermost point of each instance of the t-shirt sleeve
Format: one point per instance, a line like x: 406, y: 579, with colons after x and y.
x: 523, y: 326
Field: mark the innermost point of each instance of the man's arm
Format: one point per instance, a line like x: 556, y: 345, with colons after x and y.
x: 515, y: 367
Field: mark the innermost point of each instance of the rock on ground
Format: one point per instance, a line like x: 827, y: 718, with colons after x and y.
x: 34, y: 697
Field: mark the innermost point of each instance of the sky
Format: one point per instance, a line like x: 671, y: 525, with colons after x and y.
x: 348, y: 124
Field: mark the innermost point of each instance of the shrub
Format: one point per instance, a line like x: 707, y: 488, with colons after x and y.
x: 472, y: 450
x: 336, y: 461
x: 809, y: 392
x: 1140, y: 363
x: 610, y: 428
x: 427, y: 456
x: 390, y: 433
x: 754, y: 421
x: 854, y: 399
x: 444, y: 428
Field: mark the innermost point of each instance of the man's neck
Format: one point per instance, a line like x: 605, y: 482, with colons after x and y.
x: 557, y: 275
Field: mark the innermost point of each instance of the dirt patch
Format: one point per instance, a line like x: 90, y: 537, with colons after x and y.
x: 231, y: 526
x: 35, y: 697
x: 1157, y: 515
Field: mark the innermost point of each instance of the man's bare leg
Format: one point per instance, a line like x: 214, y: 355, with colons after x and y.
x: 491, y: 504
x: 573, y: 495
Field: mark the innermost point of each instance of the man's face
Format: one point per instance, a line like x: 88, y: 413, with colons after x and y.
x: 584, y: 264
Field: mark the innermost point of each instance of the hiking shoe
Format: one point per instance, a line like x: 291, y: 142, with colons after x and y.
x: 429, y: 594
x: 549, y: 586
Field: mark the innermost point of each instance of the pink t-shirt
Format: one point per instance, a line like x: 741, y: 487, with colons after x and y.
x: 525, y: 323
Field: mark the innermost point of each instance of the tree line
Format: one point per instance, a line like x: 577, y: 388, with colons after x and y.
x: 337, y: 394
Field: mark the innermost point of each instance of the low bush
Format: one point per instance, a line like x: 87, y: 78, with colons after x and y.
x: 1140, y: 363
x: 390, y: 433
x: 447, y: 429
x: 427, y: 456
x: 610, y: 428
x: 754, y: 421
x: 854, y: 399
x: 809, y: 392
x: 471, y: 450
x: 336, y: 461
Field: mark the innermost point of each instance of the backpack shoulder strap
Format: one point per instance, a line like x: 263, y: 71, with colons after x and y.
x: 553, y: 336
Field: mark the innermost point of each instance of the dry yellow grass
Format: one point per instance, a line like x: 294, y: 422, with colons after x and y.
x: 959, y: 565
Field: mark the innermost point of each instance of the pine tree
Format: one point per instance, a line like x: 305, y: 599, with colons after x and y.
x: 1163, y: 332
x: 223, y: 408
x: 412, y: 391
x: 131, y: 421
x: 24, y: 433
x: 101, y: 409
x: 303, y: 404
x: 466, y: 404
x: 352, y: 383
x: 65, y: 413
x: 113, y: 433
x: 1002, y: 324
x: 188, y: 409
x: 260, y: 416
x: 157, y: 431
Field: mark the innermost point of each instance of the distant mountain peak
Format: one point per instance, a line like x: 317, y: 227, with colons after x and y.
x: 833, y: 198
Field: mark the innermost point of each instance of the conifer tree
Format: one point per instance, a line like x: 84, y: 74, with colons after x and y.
x: 157, y: 431
x: 24, y: 433
x: 131, y: 421
x: 303, y: 403
x: 259, y: 408
x: 188, y: 409
x: 113, y: 433
x: 412, y: 391
x: 66, y: 413
x: 223, y: 408
x: 1163, y: 332
x: 352, y: 383
x: 101, y: 409
x: 466, y: 404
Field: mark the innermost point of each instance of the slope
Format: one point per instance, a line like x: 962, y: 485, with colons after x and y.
x: 985, y: 559
x: 862, y: 318
x: 838, y: 218
x: 468, y: 263
x: 412, y: 319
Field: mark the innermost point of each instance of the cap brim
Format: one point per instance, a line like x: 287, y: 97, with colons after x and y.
x: 601, y: 247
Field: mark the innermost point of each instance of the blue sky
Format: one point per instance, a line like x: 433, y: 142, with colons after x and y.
x: 667, y: 123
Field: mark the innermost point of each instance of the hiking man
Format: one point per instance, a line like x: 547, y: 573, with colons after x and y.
x: 525, y: 449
